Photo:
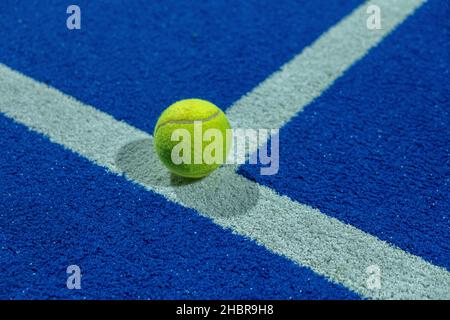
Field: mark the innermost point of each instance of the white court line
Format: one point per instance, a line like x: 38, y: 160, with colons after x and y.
x: 285, y: 93
x: 329, y: 247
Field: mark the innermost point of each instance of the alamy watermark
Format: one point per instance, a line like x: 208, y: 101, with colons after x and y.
x: 373, y: 22
x: 74, y: 279
x: 73, y: 21
x: 243, y: 146
x: 373, y: 281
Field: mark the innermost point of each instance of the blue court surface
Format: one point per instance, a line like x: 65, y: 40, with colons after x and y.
x: 364, y: 161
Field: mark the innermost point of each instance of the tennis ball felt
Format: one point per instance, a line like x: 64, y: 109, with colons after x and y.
x: 191, y: 138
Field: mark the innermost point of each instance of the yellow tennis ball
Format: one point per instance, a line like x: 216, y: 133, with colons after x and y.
x: 192, y: 138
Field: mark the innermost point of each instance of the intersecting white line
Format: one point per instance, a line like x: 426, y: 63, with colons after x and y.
x: 285, y: 93
x: 331, y: 248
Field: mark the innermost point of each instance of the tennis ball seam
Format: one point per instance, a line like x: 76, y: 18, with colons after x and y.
x: 181, y: 121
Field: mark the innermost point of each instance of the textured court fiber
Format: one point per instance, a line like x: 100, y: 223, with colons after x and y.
x: 364, y: 177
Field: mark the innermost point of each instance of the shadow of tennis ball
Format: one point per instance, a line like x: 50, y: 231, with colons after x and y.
x: 223, y: 193
x: 138, y: 162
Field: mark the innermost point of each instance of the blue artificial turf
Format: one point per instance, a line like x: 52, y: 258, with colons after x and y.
x: 374, y: 150
x: 132, y: 59
x: 58, y: 209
